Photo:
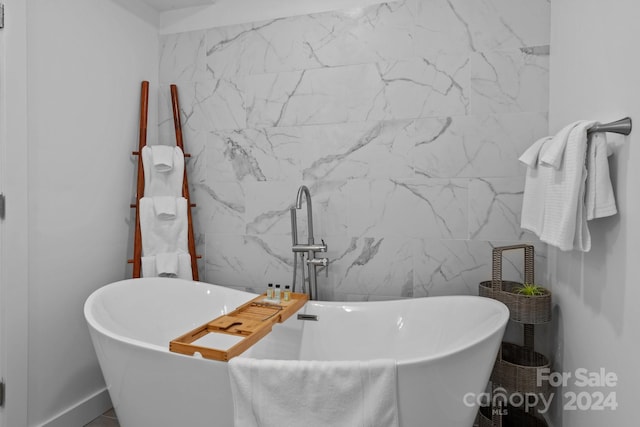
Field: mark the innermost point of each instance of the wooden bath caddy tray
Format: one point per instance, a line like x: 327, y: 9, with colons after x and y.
x: 249, y: 323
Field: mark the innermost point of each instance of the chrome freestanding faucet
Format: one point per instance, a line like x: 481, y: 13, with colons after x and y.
x: 307, y: 252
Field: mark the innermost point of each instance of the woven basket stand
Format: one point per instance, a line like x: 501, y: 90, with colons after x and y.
x: 516, y: 366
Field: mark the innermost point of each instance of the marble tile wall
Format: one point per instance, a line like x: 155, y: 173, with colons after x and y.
x: 405, y: 120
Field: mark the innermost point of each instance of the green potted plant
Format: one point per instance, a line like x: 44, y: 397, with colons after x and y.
x: 530, y: 290
x: 528, y: 302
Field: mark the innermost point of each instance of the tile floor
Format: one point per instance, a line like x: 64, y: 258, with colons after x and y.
x: 108, y: 419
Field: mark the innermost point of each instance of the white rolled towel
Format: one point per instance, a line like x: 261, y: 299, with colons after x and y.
x: 168, y: 183
x: 165, y: 207
x: 152, y: 266
x: 163, y: 235
x: 162, y: 157
x: 167, y: 264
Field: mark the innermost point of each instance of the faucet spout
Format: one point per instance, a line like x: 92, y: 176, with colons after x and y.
x: 304, y: 191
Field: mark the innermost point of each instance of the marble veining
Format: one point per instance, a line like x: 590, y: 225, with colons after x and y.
x: 404, y: 118
x: 496, y: 204
x: 501, y: 79
x: 326, y: 164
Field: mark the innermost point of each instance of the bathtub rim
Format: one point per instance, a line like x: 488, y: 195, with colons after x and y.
x: 93, y: 323
x: 500, y: 324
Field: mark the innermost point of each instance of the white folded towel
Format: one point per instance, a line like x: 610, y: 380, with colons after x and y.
x: 567, y: 187
x: 149, y: 266
x: 532, y: 215
x: 184, y: 266
x: 600, y: 200
x: 531, y: 157
x: 564, y: 225
x: 168, y: 183
x: 163, y: 235
x: 165, y: 207
x: 153, y: 266
x: 554, y: 152
x: 162, y: 157
x: 167, y: 264
x: 294, y: 393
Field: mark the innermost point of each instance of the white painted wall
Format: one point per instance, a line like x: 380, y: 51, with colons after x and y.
x: 594, y: 74
x: 14, y: 228
x: 86, y: 60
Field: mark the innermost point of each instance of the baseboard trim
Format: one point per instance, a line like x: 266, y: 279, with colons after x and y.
x: 83, y: 412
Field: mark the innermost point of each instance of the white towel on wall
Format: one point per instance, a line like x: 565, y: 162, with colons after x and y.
x: 294, y: 393
x: 563, y: 223
x: 553, y: 154
x: 600, y: 200
x: 153, y: 267
x: 567, y: 184
x: 163, y: 183
x: 531, y: 157
x: 532, y: 214
x: 162, y: 156
x: 163, y: 235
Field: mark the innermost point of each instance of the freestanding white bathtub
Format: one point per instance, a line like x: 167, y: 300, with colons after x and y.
x: 444, y: 347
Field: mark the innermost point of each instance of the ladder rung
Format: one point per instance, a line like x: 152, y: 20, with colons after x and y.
x: 137, y: 153
x: 130, y: 261
x: 133, y: 205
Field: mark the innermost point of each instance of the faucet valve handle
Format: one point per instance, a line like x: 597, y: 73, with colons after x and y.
x: 320, y: 262
x: 324, y: 262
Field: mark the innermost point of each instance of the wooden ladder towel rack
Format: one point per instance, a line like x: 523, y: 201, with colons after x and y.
x: 142, y: 142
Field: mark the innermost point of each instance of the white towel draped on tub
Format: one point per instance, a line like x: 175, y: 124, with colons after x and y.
x: 564, y: 187
x: 161, y: 234
x: 295, y: 393
x: 167, y: 182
